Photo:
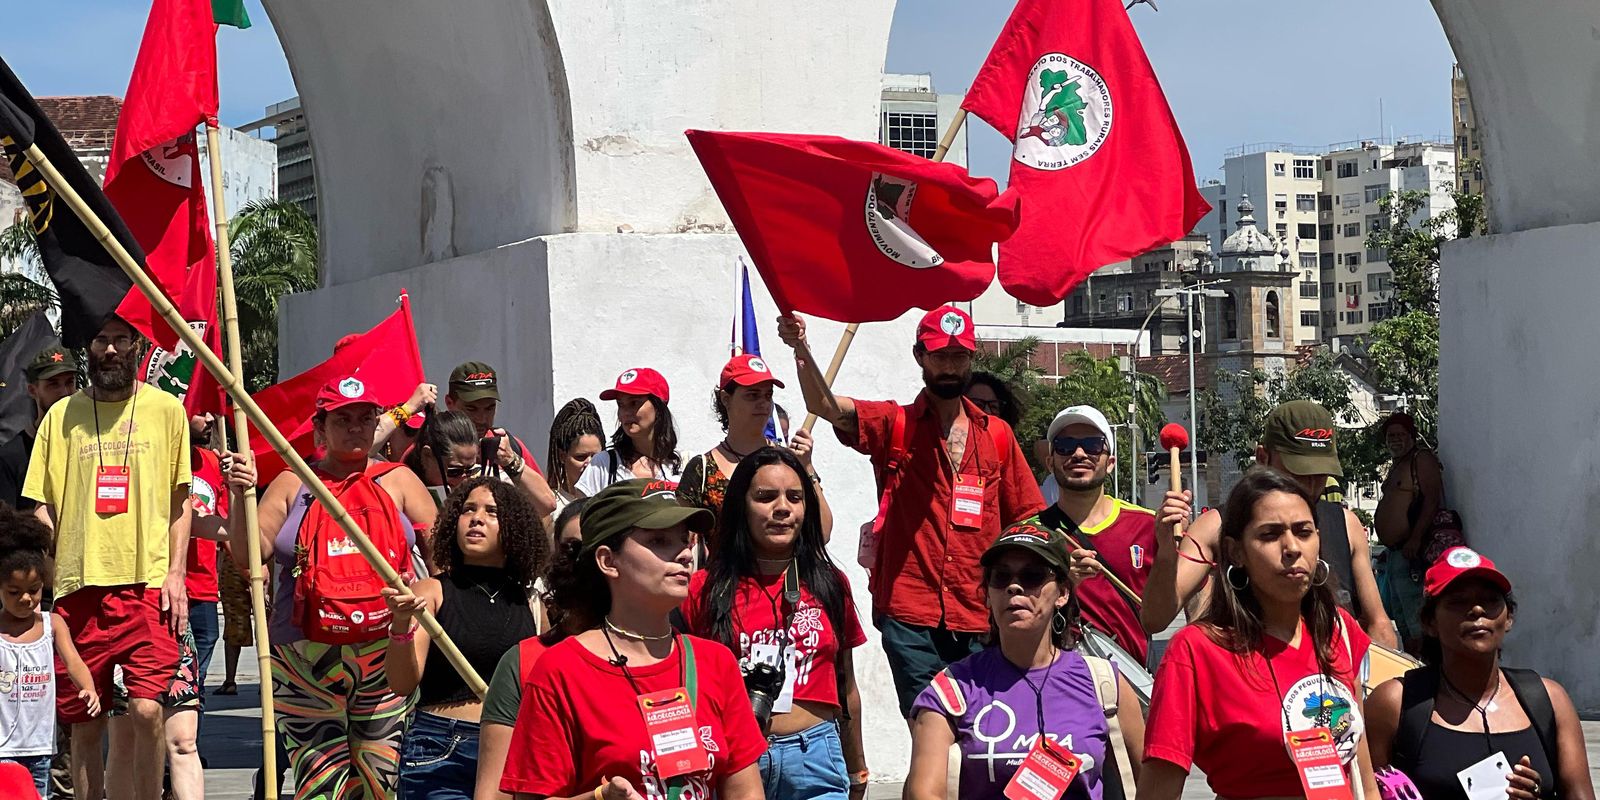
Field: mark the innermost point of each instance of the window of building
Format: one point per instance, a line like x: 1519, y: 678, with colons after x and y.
x: 1350, y: 200
x: 1274, y: 322
x: 917, y: 134
x: 1283, y: 231
x: 1310, y: 319
x: 1305, y: 168
x: 1327, y: 289
x: 1305, y: 202
x: 1327, y: 165
x: 1149, y: 298
x: 1307, y: 231
x: 1380, y: 282
x: 1125, y: 302
x: 1077, y: 305
x: 1230, y: 316
x: 1280, y: 204
x: 1348, y: 169
x: 1352, y: 259
x: 1376, y: 222
x: 1352, y: 317
x: 1352, y: 229
x: 1308, y: 261
x: 1378, y: 312
x: 1325, y: 233
x: 1324, y: 202
x: 1375, y: 192
x: 1103, y: 304
x: 1327, y: 261
x: 1277, y: 168
x: 1308, y: 289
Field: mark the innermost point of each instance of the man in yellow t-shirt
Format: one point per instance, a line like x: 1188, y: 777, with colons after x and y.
x: 110, y: 471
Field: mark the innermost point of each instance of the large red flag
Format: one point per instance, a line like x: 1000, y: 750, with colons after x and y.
x: 153, y: 177
x: 385, y: 358
x: 855, y: 231
x: 177, y: 370
x: 1098, y: 160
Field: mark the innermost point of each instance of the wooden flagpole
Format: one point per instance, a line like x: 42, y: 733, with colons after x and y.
x: 258, y: 577
x: 235, y: 389
x: 849, y: 336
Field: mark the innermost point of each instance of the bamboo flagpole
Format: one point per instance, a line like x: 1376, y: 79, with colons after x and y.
x: 235, y: 389
x: 849, y: 335
x: 258, y: 573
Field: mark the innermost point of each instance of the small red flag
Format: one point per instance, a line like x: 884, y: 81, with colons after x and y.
x: 385, y: 358
x: 1098, y: 159
x: 855, y: 231
x: 153, y: 177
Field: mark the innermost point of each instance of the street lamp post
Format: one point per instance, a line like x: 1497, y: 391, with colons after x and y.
x: 1133, y: 390
x: 1190, y: 293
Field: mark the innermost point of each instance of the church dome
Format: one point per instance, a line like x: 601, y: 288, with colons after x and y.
x: 1248, y: 240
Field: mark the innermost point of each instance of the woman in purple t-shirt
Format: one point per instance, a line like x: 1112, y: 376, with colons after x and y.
x: 1030, y: 680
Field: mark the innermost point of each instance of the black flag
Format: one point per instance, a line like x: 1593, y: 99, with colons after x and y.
x: 16, y: 352
x: 89, y: 281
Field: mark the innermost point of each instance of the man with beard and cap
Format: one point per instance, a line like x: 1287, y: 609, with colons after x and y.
x: 950, y: 478
x: 1105, y: 533
x: 110, y: 471
x: 52, y: 375
x: 1299, y: 441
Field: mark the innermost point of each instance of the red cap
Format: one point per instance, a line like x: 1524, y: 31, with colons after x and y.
x: 1462, y: 562
x: 747, y: 370
x: 639, y: 381
x: 947, y: 326
x: 341, y: 392
x: 17, y: 782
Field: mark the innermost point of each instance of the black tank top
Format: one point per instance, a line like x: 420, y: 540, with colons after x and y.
x: 1446, y: 752
x: 1336, y: 551
x: 481, y: 627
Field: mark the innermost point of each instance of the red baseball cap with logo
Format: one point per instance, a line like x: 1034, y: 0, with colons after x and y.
x: 747, y: 370
x: 947, y: 326
x: 341, y: 392
x: 1462, y: 562
x: 639, y: 381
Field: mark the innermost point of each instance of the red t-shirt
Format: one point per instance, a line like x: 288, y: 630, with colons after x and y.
x: 210, y: 496
x: 580, y: 723
x: 757, y: 604
x: 1226, y: 713
x: 1126, y: 543
x: 927, y: 570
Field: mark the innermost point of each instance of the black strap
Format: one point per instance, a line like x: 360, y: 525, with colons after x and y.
x: 1535, y: 699
x: 1421, y: 685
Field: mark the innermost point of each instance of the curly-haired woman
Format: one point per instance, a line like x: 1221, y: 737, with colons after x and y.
x: 481, y: 597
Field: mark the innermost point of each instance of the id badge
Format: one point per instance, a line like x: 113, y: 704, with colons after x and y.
x: 1044, y: 774
x: 1316, y: 760
x: 966, y: 501
x: 669, y: 722
x: 1487, y: 778
x: 110, y: 490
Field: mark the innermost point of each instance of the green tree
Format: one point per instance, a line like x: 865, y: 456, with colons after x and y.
x: 274, y: 248
x: 20, y: 293
x: 1234, y: 412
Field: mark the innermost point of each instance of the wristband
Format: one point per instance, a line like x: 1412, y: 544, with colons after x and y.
x: 410, y: 634
x: 597, y: 792
x: 399, y: 414
x: 860, y: 778
x: 815, y: 479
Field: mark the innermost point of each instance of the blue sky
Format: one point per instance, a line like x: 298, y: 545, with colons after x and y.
x: 1235, y: 71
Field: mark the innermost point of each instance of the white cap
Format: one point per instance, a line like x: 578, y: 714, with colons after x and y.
x: 1082, y: 415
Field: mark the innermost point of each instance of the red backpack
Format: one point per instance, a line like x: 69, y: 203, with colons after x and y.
x: 337, y: 594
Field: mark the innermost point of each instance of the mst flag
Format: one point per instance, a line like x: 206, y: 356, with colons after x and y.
x: 16, y: 352
x: 153, y: 176
x: 89, y: 282
x: 855, y: 231
x: 1098, y: 160
x: 385, y: 358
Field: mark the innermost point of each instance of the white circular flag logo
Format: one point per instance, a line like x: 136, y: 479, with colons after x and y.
x: 357, y: 616
x: 173, y: 162
x: 888, y: 217
x: 1316, y: 701
x: 352, y: 388
x: 758, y: 365
x: 1463, y: 558
x: 952, y: 323
x: 628, y: 377
x: 1066, y: 114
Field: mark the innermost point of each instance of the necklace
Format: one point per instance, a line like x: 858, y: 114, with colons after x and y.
x: 491, y: 595
x: 736, y: 455
x: 1483, y: 708
x: 774, y: 560
x: 621, y: 631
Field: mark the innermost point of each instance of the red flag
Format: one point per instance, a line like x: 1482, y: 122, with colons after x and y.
x: 386, y: 358
x: 153, y: 177
x: 855, y: 231
x: 1098, y: 159
x: 177, y: 370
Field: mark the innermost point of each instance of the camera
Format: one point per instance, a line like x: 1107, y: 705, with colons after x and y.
x: 763, y: 682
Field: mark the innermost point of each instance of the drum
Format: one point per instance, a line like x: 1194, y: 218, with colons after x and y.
x: 1383, y: 664
x: 1095, y: 643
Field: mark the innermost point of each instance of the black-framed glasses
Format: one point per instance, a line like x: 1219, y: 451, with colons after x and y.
x: 1090, y: 445
x: 991, y: 407
x: 463, y: 472
x: 1029, y: 578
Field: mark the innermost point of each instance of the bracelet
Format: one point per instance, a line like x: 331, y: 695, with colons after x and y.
x: 597, y: 795
x: 399, y: 414
x: 815, y: 478
x: 409, y: 635
x: 860, y: 778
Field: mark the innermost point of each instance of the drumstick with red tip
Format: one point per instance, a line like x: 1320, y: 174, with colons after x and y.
x: 1174, y: 438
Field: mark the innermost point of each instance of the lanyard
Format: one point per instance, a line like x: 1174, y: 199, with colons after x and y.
x: 127, y: 447
x: 690, y: 682
x: 1277, y: 690
x: 1038, y: 690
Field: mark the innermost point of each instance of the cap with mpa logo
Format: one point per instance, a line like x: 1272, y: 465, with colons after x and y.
x: 1302, y: 433
x: 947, y: 326
x: 50, y: 362
x: 639, y: 381
x: 474, y: 381
x: 1462, y: 562
x: 637, y: 503
x: 1046, y: 543
x: 747, y: 370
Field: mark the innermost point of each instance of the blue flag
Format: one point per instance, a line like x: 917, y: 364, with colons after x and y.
x: 747, y: 338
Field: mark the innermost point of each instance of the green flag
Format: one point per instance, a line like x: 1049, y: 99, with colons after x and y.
x: 230, y: 12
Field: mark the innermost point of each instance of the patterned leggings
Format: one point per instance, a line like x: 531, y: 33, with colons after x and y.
x: 340, y: 723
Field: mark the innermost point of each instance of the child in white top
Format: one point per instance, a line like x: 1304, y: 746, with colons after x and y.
x: 30, y: 640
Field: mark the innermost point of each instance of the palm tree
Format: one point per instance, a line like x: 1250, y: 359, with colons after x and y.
x: 20, y: 294
x: 274, y: 248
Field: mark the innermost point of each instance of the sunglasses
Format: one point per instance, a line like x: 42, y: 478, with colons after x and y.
x: 1029, y: 578
x: 1090, y: 445
x: 463, y: 472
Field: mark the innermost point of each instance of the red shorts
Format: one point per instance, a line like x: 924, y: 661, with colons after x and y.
x: 113, y: 625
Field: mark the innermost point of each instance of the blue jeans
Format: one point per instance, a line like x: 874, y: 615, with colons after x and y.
x: 203, y: 621
x: 808, y: 765
x: 38, y: 767
x: 439, y: 759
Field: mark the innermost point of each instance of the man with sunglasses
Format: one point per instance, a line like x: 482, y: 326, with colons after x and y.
x: 1105, y: 532
x: 1299, y: 441
x: 950, y: 477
